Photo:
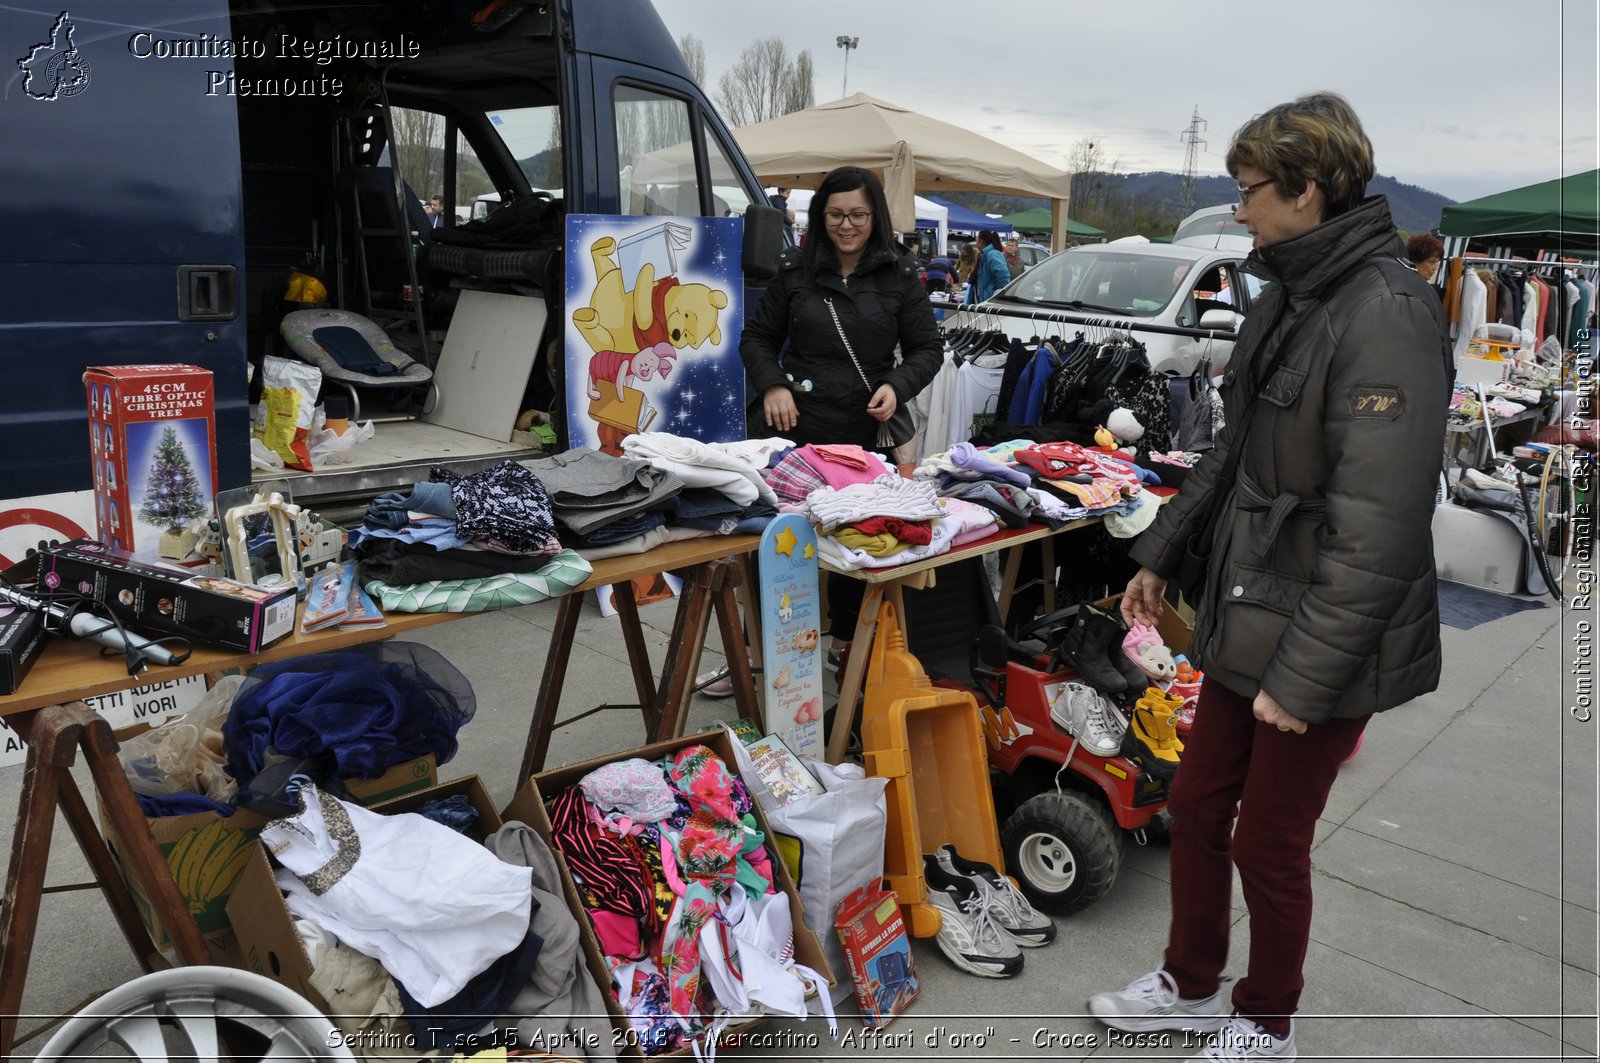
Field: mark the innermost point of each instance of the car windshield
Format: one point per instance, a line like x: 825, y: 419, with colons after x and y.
x: 1125, y: 282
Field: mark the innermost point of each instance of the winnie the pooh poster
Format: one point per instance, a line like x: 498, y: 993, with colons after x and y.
x: 652, y: 335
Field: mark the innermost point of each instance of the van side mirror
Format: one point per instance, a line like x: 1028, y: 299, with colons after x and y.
x: 763, y: 240
x: 1221, y: 320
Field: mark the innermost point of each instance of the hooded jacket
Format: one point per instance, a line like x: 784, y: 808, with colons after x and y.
x: 882, y: 304
x: 1321, y: 587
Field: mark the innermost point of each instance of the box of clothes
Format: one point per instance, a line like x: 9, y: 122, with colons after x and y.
x: 691, y: 927
x: 368, y: 724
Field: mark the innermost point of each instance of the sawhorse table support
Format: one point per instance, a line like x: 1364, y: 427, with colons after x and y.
x: 709, y: 585
x: 54, y: 736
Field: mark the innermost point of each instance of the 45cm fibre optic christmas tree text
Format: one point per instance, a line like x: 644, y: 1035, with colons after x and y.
x: 172, y: 494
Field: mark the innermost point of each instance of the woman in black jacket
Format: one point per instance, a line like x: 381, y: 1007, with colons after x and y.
x: 814, y: 392
x: 813, y: 386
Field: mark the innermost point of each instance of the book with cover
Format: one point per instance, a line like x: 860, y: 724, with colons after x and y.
x: 781, y: 771
x: 363, y: 611
x: 327, y: 598
x: 632, y: 413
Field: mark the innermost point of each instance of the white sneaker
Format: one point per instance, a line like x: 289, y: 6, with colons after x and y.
x: 1008, y: 907
x: 1084, y: 713
x: 971, y: 939
x: 1242, y: 1041
x: 1152, y: 1003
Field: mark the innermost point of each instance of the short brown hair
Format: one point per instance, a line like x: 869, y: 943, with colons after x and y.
x: 1422, y: 247
x: 1314, y: 138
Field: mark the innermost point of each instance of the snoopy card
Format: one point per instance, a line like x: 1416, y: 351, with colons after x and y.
x: 655, y: 308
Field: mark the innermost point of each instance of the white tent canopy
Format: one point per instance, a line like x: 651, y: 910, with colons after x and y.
x: 911, y: 151
x: 927, y: 211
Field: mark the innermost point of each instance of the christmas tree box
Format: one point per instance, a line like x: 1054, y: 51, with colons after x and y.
x: 153, y: 441
x: 171, y: 600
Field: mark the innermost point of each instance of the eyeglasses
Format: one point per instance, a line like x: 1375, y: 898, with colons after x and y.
x: 1246, y: 191
x: 857, y: 218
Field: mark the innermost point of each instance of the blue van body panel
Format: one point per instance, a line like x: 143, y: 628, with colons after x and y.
x: 98, y: 226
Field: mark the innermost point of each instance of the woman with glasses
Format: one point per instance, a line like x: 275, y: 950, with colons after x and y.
x: 993, y: 273
x: 819, y: 351
x: 1311, y: 521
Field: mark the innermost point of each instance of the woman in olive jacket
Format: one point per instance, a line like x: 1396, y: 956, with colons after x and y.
x: 1320, y: 606
x: 812, y: 392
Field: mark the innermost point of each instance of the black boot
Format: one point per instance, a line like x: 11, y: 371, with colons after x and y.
x: 1116, y: 631
x: 1085, y: 647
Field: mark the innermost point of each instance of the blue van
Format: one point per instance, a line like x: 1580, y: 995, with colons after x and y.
x: 170, y: 164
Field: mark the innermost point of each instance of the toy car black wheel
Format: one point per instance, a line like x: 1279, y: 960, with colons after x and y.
x: 1063, y: 850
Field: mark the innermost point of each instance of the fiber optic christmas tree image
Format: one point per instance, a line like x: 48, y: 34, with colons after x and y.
x: 172, y: 496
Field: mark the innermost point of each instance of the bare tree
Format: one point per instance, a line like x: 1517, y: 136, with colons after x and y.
x: 1094, y: 181
x: 694, y: 56
x: 418, y: 148
x: 802, y: 88
x: 765, y: 83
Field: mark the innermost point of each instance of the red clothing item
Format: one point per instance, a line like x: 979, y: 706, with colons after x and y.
x: 657, y: 332
x: 912, y: 533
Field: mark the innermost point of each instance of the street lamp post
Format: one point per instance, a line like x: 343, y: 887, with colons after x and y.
x: 846, y: 43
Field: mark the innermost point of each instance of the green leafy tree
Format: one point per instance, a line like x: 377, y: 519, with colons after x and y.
x: 172, y: 494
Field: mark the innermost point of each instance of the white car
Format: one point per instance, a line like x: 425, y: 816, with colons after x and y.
x: 1163, y: 285
x: 1214, y: 227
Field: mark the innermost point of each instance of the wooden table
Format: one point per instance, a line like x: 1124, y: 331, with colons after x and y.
x: 714, y: 569
x: 917, y: 575
x: 48, y: 713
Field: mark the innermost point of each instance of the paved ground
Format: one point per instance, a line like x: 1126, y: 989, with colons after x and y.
x: 1455, y: 870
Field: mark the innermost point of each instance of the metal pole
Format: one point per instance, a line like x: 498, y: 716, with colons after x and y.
x: 846, y: 43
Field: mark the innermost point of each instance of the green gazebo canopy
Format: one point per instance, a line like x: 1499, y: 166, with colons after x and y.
x: 1037, y: 220
x: 1563, y: 214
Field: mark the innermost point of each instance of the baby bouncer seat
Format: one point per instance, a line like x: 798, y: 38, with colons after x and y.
x: 353, y: 352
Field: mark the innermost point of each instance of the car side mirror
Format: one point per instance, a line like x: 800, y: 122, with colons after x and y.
x: 763, y: 241
x: 1221, y: 320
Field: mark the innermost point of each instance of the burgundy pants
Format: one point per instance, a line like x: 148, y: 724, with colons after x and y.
x: 1277, y: 782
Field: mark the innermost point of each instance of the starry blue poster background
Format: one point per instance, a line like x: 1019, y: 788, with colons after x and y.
x: 702, y: 396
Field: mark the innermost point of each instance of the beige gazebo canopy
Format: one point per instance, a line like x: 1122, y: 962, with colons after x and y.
x: 912, y: 152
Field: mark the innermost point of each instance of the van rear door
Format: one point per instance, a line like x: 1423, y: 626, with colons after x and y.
x: 123, y: 241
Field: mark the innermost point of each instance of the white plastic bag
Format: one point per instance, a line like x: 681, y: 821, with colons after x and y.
x: 184, y: 754
x: 333, y: 448
x: 832, y: 843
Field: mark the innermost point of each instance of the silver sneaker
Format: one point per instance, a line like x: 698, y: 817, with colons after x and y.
x: 1008, y: 907
x: 1152, y: 1003
x: 968, y: 937
x: 1084, y: 713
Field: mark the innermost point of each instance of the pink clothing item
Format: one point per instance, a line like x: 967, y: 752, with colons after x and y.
x: 618, y: 934
x: 842, y: 465
x: 973, y: 535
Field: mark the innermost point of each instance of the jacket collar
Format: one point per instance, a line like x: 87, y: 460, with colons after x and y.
x: 828, y: 274
x: 1305, y: 264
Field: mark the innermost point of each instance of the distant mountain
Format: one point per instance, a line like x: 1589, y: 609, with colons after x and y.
x: 1415, y: 209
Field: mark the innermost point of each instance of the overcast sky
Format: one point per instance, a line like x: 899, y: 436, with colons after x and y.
x: 1463, y: 97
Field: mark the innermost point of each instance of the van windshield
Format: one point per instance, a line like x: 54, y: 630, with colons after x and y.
x: 533, y: 137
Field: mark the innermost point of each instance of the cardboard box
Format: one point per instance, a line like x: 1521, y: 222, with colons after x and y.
x: 1173, y: 627
x: 22, y: 639
x: 267, y: 941
x: 470, y: 786
x: 206, y: 852
x: 528, y: 807
x: 153, y: 442
x: 878, y: 950
x: 171, y: 600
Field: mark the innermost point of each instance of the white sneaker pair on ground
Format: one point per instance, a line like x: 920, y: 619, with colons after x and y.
x: 1084, y: 713
x: 985, y: 921
x: 1151, y: 1004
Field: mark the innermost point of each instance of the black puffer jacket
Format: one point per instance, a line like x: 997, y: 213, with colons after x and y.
x: 1321, y: 589
x: 883, y: 304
